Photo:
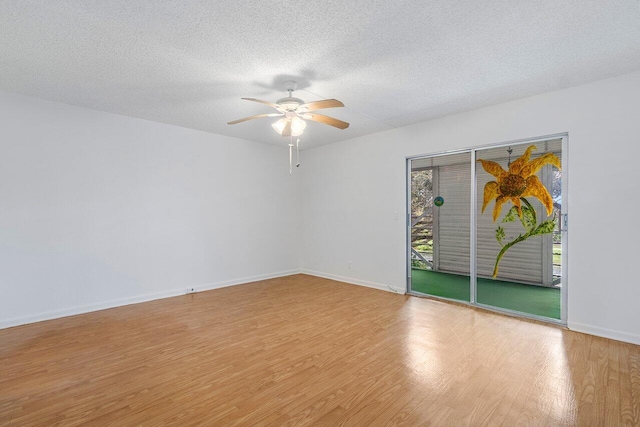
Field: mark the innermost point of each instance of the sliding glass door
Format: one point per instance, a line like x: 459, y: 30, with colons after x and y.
x: 486, y: 229
x: 519, y: 202
x: 440, y: 214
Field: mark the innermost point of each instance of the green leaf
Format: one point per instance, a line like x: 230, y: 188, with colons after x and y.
x: 545, y: 227
x: 500, y: 235
x: 528, y: 218
x: 511, y: 215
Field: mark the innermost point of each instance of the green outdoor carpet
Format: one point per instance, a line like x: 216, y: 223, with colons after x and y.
x: 529, y: 299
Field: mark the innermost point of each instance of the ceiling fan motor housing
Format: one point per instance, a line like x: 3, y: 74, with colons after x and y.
x: 289, y: 103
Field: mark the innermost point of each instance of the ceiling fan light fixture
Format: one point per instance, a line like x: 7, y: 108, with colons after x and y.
x: 279, y: 125
x: 297, y: 125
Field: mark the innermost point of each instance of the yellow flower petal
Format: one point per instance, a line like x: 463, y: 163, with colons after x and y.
x: 494, y: 168
x: 516, y: 165
x: 536, y: 189
x: 491, y: 191
x: 517, y: 204
x: 534, y: 165
x: 498, y: 207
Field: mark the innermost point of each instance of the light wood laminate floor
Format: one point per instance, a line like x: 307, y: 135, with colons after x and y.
x: 302, y: 350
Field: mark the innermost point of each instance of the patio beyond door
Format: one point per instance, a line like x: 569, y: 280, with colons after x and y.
x: 440, y: 204
x: 500, y: 245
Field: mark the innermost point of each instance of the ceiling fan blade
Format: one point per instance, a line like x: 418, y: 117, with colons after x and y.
x: 318, y: 105
x: 287, y: 129
x: 270, y: 104
x: 254, y: 117
x: 326, y: 120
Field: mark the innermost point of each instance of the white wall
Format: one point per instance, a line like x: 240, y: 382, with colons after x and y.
x: 99, y: 210
x: 354, y: 196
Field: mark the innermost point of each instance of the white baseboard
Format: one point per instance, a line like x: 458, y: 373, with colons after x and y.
x: 604, y: 332
x: 242, y: 281
x: 87, y: 308
x: 351, y: 281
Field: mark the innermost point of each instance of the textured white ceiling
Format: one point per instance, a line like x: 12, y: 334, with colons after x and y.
x: 392, y: 63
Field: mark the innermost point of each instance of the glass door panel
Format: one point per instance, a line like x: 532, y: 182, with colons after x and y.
x: 440, y: 226
x: 518, y: 239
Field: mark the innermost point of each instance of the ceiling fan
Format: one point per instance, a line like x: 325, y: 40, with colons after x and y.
x: 294, y: 112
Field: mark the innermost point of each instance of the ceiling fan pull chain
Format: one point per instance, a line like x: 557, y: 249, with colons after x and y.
x: 290, y: 155
x: 298, y: 153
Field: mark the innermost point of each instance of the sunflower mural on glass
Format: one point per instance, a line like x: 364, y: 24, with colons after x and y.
x: 515, y: 185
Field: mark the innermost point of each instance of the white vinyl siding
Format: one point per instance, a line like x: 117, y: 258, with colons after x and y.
x: 453, y: 218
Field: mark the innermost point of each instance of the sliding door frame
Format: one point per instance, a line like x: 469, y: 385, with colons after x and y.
x: 564, y: 291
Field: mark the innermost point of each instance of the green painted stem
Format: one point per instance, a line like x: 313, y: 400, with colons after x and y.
x: 518, y: 239
x: 504, y: 249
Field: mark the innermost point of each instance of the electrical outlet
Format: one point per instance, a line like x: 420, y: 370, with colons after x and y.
x: 349, y: 265
x: 190, y: 291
